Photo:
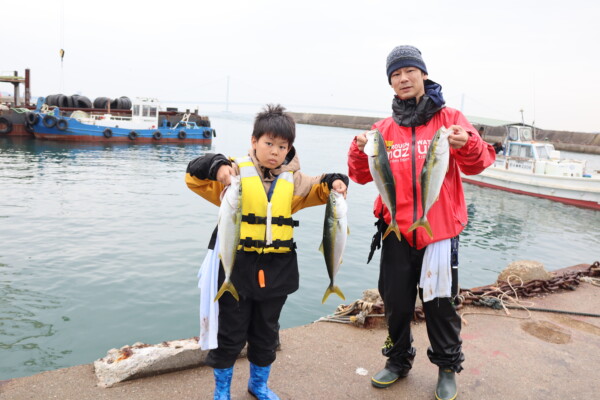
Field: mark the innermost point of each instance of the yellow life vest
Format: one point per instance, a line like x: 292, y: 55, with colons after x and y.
x: 267, y: 226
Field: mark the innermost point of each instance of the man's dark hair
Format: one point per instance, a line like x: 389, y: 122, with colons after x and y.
x: 274, y: 120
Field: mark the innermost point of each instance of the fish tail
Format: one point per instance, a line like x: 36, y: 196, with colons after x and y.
x: 227, y: 286
x: 333, y: 289
x: 393, y: 228
x: 423, y: 223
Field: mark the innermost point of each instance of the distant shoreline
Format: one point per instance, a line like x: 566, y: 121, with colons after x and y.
x: 579, y: 142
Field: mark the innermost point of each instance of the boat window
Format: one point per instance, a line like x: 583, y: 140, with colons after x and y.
x: 542, y: 152
x: 513, y: 133
x: 136, y: 109
x: 146, y: 111
x: 519, y: 150
x: 153, y: 111
x: 526, y: 133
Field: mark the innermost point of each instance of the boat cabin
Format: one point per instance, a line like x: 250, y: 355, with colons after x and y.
x: 145, y: 111
x: 144, y: 115
x: 522, y: 153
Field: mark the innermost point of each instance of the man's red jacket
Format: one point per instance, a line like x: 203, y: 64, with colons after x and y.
x: 407, y: 149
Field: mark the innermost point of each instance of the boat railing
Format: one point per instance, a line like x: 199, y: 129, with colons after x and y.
x: 183, y: 122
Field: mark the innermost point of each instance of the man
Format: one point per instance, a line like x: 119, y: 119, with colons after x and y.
x: 418, y: 112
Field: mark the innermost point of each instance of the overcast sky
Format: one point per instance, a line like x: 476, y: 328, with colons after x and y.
x: 491, y: 58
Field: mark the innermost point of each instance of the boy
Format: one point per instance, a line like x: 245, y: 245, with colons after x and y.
x: 270, y: 177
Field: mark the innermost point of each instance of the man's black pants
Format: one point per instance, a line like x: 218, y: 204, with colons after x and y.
x: 400, y: 271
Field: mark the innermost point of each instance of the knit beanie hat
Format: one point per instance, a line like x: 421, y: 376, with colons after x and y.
x: 404, y: 56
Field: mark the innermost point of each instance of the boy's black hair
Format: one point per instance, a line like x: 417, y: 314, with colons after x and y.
x: 274, y: 120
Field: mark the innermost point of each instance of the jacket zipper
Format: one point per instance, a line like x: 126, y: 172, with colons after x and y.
x: 414, y: 182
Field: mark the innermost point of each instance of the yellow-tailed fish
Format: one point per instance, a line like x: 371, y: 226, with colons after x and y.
x: 335, y: 235
x: 379, y: 165
x: 433, y: 175
x: 230, y: 219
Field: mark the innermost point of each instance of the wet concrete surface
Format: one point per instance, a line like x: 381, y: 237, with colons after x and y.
x: 542, y: 356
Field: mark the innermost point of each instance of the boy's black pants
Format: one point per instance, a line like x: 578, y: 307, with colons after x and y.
x: 399, y: 274
x: 252, y: 321
x: 255, y: 318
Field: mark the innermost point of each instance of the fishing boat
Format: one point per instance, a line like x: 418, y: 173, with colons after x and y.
x: 141, y: 125
x: 526, y: 166
x: 13, y: 122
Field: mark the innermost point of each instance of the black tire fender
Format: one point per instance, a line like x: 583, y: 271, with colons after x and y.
x: 157, y: 135
x: 107, y: 133
x: 182, y: 134
x: 49, y: 121
x: 206, y: 133
x: 51, y: 99
x: 83, y: 102
x: 32, y: 118
x: 62, y: 124
x: 8, y: 125
x: 133, y: 135
x: 100, y: 102
x: 28, y: 127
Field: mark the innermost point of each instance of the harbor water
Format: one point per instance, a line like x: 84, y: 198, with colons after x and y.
x: 100, y: 244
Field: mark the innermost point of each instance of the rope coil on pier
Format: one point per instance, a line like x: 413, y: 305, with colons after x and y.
x: 501, y: 295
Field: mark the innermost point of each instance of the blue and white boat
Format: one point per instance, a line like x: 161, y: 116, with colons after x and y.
x: 535, y: 168
x: 141, y: 126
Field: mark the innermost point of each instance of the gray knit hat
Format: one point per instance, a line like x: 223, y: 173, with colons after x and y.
x: 404, y: 56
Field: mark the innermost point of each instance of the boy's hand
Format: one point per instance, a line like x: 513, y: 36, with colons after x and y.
x: 224, y: 174
x: 458, y: 138
x: 361, y: 141
x: 339, y: 186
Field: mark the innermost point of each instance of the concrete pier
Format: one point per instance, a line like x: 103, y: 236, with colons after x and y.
x: 522, y: 356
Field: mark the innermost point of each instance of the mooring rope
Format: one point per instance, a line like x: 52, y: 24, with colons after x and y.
x: 500, y: 296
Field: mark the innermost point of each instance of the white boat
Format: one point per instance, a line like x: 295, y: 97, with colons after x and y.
x: 526, y: 166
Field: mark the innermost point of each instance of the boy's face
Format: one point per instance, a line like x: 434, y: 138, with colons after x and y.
x: 408, y: 82
x: 270, y: 150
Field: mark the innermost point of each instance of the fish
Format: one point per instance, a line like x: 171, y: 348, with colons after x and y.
x: 379, y: 165
x: 228, y: 228
x: 335, y: 235
x: 433, y: 175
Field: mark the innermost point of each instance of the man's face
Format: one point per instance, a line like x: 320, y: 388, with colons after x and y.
x: 270, y: 150
x: 408, y: 82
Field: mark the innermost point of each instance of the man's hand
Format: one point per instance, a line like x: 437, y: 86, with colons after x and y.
x: 361, y: 141
x: 458, y: 137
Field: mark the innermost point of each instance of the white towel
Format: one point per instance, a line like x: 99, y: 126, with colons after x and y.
x: 209, y: 309
x: 436, y: 275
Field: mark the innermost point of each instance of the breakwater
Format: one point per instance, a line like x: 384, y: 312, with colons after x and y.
x: 580, y: 142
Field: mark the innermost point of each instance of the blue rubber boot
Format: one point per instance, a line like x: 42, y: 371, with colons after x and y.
x: 222, y: 383
x: 257, y: 384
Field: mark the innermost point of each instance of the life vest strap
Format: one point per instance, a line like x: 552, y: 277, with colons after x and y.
x: 253, y: 219
x: 277, y: 243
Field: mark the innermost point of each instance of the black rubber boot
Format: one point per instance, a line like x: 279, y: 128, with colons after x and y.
x: 446, y: 385
x: 386, y: 377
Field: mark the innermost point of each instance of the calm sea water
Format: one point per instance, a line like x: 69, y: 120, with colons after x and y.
x: 100, y: 244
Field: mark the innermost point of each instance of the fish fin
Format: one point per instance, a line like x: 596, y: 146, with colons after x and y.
x: 428, y: 229
x: 393, y: 228
x: 423, y: 223
x: 413, y: 226
x: 321, y: 248
x: 332, y: 289
x: 227, y: 286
